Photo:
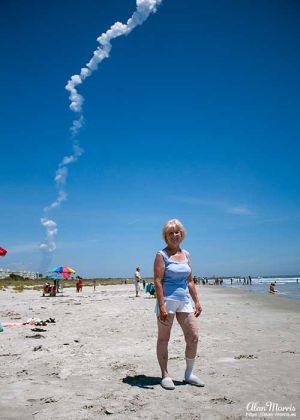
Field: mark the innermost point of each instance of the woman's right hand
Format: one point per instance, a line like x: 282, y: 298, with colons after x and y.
x: 163, y: 314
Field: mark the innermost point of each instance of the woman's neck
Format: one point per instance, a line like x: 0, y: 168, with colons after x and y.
x: 173, y: 251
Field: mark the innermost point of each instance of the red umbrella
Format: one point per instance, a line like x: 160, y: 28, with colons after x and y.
x: 3, y: 252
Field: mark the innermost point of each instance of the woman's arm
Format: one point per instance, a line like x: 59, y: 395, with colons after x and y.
x: 193, y: 291
x: 159, y: 270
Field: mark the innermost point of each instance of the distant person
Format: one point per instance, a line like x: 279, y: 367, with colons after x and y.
x: 46, y: 288
x: 137, y: 279
x: 80, y: 284
x: 273, y: 289
x: 144, y: 284
x: 174, y: 289
x: 53, y: 291
x: 94, y: 285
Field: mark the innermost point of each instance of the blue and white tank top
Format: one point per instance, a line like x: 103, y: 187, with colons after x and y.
x: 175, y: 280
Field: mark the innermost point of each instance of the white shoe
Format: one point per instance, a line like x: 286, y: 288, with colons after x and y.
x: 167, y: 383
x: 194, y: 380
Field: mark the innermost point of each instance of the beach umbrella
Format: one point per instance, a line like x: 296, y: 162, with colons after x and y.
x: 57, y: 276
x: 63, y: 269
x: 3, y: 252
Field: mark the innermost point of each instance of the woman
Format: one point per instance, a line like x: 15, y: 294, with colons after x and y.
x: 174, y: 287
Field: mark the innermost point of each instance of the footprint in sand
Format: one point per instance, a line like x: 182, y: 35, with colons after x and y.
x: 222, y: 400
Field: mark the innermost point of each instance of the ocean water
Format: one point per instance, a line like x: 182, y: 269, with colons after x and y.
x: 286, y: 286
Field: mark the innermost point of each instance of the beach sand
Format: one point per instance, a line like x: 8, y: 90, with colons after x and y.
x: 99, y: 358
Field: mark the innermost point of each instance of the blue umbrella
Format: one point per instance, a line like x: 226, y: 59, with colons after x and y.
x: 55, y: 277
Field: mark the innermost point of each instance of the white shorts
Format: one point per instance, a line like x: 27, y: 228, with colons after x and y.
x: 174, y: 306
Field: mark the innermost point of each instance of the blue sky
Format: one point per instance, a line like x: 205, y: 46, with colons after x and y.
x: 195, y: 115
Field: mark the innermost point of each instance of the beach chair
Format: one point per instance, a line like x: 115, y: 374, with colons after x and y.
x: 150, y: 288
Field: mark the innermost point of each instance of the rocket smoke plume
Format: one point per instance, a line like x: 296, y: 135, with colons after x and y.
x: 143, y: 9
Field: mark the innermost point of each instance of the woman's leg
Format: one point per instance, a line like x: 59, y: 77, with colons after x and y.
x: 164, y: 331
x: 188, y: 323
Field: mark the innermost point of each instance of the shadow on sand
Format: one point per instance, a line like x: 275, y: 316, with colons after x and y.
x: 146, y: 382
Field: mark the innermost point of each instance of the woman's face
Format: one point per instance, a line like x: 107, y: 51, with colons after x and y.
x: 174, y: 237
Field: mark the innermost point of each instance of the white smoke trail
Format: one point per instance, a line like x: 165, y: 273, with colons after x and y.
x: 143, y: 9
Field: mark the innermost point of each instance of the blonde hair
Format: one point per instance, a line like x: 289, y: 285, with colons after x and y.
x: 173, y: 223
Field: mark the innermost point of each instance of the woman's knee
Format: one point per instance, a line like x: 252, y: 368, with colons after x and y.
x: 192, y: 337
x: 163, y: 341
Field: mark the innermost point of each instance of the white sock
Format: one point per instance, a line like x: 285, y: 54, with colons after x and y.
x: 189, y: 376
x: 189, y: 368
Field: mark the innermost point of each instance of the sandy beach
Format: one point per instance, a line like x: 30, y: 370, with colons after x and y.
x: 99, y: 358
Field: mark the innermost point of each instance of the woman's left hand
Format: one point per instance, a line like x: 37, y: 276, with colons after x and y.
x: 198, y: 309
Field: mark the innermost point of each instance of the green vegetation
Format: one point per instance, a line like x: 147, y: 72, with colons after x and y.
x: 19, y: 288
x: 19, y: 283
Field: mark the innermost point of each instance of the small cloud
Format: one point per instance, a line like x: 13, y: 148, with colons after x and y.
x: 133, y: 222
x: 279, y: 219
x: 220, y: 205
x: 23, y: 248
x: 242, y: 211
x: 196, y: 201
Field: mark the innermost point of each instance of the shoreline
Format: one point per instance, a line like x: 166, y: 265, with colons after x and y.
x: 99, y: 358
x: 277, y: 301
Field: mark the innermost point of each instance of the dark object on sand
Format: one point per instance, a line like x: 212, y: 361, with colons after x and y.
x: 51, y: 320
x: 11, y: 354
x: 38, y: 330
x: 36, y: 348
x: 35, y: 336
x: 245, y: 356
